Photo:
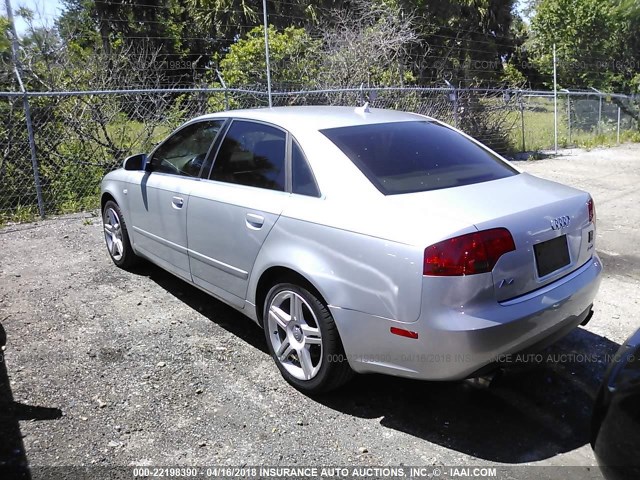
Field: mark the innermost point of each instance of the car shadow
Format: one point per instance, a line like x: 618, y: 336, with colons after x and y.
x: 215, y: 310
x: 528, y: 411
x: 13, y: 458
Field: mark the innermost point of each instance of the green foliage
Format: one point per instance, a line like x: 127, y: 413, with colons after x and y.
x: 20, y: 214
x: 581, y: 31
x: 165, y: 27
x: 189, y: 33
x: 74, y: 187
x: 371, y: 45
x: 539, y: 128
x: 464, y: 41
x: 596, y: 42
x: 219, y: 102
x: 6, y: 73
x: 486, y: 119
x: 5, y: 44
x: 100, y: 45
x: 293, y: 56
x: 512, y: 76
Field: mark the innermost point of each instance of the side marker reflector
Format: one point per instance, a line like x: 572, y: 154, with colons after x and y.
x: 404, y: 333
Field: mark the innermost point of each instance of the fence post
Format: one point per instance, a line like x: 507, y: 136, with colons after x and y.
x: 598, y: 127
x: 266, y: 49
x: 521, y: 105
x: 27, y: 109
x: 600, y: 114
x: 224, y: 85
x: 555, y: 103
x: 453, y: 96
x: 568, y: 115
x: 618, y: 125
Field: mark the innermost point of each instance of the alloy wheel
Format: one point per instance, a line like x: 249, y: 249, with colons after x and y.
x: 113, y: 233
x: 295, y: 335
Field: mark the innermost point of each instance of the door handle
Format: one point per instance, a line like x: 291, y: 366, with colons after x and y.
x: 255, y: 221
x: 177, y: 202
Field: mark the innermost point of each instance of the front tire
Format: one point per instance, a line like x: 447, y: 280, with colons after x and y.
x: 303, y: 340
x: 116, y: 236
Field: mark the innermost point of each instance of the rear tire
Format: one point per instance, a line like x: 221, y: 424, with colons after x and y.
x: 303, y: 340
x: 117, y: 236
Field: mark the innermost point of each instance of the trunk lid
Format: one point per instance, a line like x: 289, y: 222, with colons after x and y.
x: 549, y: 223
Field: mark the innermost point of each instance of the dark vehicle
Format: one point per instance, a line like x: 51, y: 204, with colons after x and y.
x: 615, y: 428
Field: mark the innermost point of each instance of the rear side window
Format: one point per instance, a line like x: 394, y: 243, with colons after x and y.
x: 252, y: 154
x: 302, y: 180
x: 405, y: 157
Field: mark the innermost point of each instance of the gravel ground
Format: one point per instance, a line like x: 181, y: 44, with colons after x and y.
x: 105, y: 367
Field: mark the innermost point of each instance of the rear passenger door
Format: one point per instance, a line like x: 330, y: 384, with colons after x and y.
x: 232, y: 210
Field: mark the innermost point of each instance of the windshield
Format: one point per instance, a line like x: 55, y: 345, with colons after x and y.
x: 417, y: 156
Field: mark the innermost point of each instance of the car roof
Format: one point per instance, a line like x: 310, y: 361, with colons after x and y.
x: 318, y: 117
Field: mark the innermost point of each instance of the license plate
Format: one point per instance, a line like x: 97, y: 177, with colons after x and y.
x: 551, y: 255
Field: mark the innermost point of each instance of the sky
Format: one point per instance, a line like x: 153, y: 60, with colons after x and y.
x: 46, y: 12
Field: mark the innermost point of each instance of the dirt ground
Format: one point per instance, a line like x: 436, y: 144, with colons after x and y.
x: 104, y: 367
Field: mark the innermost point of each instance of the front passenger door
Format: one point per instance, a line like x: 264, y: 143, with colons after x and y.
x: 158, y: 201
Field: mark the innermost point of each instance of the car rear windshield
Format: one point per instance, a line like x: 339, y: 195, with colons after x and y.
x: 416, y: 156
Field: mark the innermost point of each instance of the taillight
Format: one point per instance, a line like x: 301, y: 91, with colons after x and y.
x: 468, y: 254
x: 592, y: 210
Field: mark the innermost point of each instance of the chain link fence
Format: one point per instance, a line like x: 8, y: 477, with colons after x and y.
x: 79, y: 136
x: 585, y: 119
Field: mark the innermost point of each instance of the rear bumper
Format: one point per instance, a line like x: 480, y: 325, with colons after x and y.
x: 457, y: 343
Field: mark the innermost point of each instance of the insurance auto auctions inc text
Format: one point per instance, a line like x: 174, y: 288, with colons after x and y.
x: 379, y: 472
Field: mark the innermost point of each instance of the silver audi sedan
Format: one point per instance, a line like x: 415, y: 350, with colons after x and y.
x: 361, y: 240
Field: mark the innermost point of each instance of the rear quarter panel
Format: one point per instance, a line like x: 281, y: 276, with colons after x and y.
x: 350, y: 270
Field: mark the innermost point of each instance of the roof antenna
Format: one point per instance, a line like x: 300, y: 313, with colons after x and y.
x: 363, y: 109
x: 372, y: 94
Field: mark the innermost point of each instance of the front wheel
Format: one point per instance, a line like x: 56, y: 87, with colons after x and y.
x: 116, y: 236
x: 303, y: 340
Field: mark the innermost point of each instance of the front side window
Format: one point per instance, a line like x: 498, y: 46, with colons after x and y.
x: 185, y: 151
x: 416, y: 156
x: 252, y: 154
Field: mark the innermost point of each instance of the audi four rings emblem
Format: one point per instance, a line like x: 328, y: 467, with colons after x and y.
x: 560, y: 222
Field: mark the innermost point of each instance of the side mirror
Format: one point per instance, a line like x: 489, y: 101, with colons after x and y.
x: 135, y: 162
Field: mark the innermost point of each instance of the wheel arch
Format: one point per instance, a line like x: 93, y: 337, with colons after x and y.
x: 112, y: 190
x: 281, y: 274
x: 114, y: 187
x: 104, y: 198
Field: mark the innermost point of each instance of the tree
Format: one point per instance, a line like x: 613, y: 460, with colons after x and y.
x: 582, y: 32
x: 597, y: 45
x: 462, y: 41
x: 597, y: 42
x: 293, y: 54
x: 226, y: 20
x: 368, y: 43
x: 6, y: 72
x: 627, y: 47
x: 162, y: 26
